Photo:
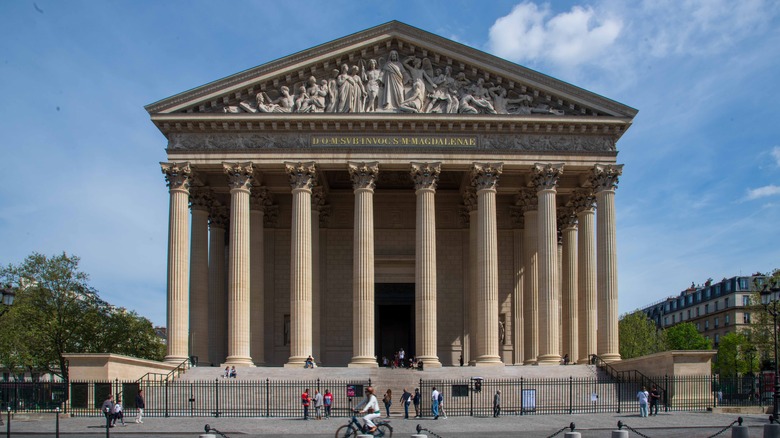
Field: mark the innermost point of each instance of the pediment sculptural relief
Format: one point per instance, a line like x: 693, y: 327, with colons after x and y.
x: 396, y: 84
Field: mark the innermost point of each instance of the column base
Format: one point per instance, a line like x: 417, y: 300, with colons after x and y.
x: 488, y: 361
x: 549, y: 359
x: 583, y: 361
x: 239, y: 361
x: 430, y: 362
x: 175, y: 360
x: 609, y: 357
x: 363, y: 362
x: 530, y: 362
x: 295, y: 362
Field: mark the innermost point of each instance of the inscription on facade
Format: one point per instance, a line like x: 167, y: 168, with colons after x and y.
x: 396, y: 140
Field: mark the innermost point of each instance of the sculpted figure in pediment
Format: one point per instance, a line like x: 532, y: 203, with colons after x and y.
x: 350, y: 90
x: 393, y: 77
x: 333, y: 91
x: 476, y: 99
x: 373, y: 79
x: 444, y: 98
x: 414, y: 103
x: 505, y: 105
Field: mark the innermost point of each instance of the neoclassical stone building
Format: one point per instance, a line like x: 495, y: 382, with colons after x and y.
x: 391, y: 189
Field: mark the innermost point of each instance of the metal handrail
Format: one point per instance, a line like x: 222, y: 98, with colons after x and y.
x: 620, y: 376
x: 179, y: 370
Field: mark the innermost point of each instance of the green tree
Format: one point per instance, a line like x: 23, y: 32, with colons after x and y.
x: 638, y: 336
x: 736, y: 355
x: 761, y: 323
x: 684, y: 336
x: 58, y: 312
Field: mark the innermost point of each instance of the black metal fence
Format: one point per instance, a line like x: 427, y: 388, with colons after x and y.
x: 462, y: 397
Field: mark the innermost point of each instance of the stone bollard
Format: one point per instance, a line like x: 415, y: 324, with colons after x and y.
x: 419, y: 435
x: 572, y: 435
x: 363, y: 435
x: 619, y: 434
x: 771, y: 430
x: 739, y: 432
x: 207, y: 435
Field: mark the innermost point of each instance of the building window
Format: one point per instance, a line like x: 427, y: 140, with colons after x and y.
x: 698, y: 311
x: 706, y: 309
x: 743, y: 284
x: 689, y: 313
x: 745, y: 300
x: 728, y: 286
x: 717, y: 338
x: 706, y: 324
x: 726, y: 303
x: 698, y: 327
x: 707, y: 294
x: 726, y: 322
x: 673, y: 319
x: 666, y: 320
x: 717, y: 321
x: 716, y: 305
x: 698, y: 296
x: 717, y: 289
x: 746, y: 318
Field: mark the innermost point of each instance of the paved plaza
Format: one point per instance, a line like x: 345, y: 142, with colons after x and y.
x: 677, y: 424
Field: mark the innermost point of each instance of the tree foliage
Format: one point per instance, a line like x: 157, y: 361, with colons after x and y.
x: 761, y: 323
x: 56, y: 312
x: 736, y: 355
x: 684, y: 336
x: 638, y: 336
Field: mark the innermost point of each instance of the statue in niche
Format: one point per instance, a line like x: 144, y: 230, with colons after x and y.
x: 476, y: 99
x: 502, y: 104
x: 393, y: 77
x: 373, y: 80
x: 333, y: 92
x: 444, y: 98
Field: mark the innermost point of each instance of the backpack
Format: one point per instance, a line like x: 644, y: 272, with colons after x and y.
x: 441, y: 398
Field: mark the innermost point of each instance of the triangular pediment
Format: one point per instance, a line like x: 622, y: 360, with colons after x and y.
x: 392, y: 68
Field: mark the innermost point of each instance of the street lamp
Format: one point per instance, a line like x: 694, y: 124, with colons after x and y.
x: 770, y: 299
x: 7, y: 296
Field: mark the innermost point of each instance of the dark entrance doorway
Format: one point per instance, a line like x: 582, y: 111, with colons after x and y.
x: 394, y: 324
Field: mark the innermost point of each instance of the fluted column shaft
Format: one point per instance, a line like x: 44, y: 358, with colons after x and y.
x: 605, y: 183
x: 302, y: 180
x: 199, y: 274
x: 586, y: 276
x: 318, y: 203
x: 363, y: 178
x: 260, y: 199
x: 240, y: 180
x: 177, y: 176
x: 425, y: 177
x: 470, y: 201
x: 531, y: 287
x: 545, y: 179
x: 517, y: 296
x: 217, y: 296
x: 485, y: 180
x: 569, y: 292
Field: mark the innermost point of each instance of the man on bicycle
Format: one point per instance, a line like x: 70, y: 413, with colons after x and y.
x: 370, y: 408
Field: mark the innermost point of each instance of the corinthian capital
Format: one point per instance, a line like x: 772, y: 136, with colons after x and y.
x: 260, y: 198
x: 567, y: 218
x: 484, y: 176
x: 582, y: 200
x: 201, y: 197
x: 177, y: 175
x: 605, y: 176
x: 517, y: 216
x: 527, y: 200
x: 425, y: 175
x: 318, y: 198
x: 302, y: 175
x: 218, y: 216
x: 363, y: 174
x: 545, y: 176
x: 240, y: 175
x: 470, y: 199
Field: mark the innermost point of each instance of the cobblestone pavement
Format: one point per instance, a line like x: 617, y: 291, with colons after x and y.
x: 671, y: 425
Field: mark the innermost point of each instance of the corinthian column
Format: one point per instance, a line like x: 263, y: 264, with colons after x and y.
x: 302, y: 177
x: 568, y: 221
x: 317, y: 206
x: 545, y: 180
x: 177, y: 176
x: 470, y: 205
x: 517, y: 292
x: 363, y: 181
x: 426, y: 177
x: 218, y: 220
x: 484, y: 177
x: 604, y: 180
x: 258, y: 202
x: 528, y: 202
x: 583, y: 202
x: 200, y: 203
x: 240, y: 181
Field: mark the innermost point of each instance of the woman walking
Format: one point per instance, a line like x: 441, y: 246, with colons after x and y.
x: 388, y: 401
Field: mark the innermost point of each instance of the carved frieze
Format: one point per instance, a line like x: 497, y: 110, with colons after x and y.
x: 605, y: 176
x: 302, y: 175
x: 363, y: 175
x: 240, y: 175
x: 484, y: 176
x: 177, y: 175
x: 425, y: 175
x: 548, y: 143
x: 546, y: 176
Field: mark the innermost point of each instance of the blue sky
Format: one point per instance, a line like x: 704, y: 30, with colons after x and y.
x: 699, y: 197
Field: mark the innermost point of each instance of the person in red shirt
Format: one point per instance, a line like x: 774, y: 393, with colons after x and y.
x: 328, y: 403
x: 306, y: 402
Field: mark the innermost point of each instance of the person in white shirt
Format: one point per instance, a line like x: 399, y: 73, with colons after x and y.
x: 119, y: 412
x: 370, y: 408
x: 642, y: 396
x: 435, y: 403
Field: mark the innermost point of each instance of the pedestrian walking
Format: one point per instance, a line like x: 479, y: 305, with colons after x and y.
x: 416, y: 400
x: 119, y: 413
x: 435, y: 403
x: 319, y: 402
x: 141, y: 405
x: 388, y: 401
x: 655, y: 398
x: 328, y: 400
x: 406, y: 399
x: 497, y: 404
x: 108, y: 410
x: 306, y: 402
x: 441, y: 405
x: 642, y: 396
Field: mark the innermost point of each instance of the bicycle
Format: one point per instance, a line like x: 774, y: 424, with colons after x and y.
x: 353, y: 428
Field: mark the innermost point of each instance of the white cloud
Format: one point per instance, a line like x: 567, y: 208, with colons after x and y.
x: 761, y: 192
x: 570, y: 38
x: 776, y: 155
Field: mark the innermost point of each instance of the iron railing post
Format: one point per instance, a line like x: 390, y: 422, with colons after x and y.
x: 216, y: 398
x: 571, y: 394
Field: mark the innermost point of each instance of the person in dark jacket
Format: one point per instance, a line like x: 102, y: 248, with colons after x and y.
x: 141, y: 405
x: 497, y: 403
x: 108, y: 410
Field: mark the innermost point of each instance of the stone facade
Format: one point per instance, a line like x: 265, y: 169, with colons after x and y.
x: 412, y: 198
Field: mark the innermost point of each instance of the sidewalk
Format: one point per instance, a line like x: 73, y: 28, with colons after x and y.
x: 671, y: 425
